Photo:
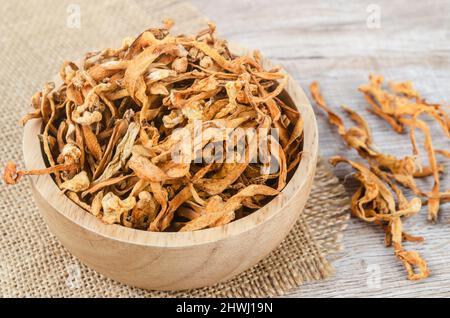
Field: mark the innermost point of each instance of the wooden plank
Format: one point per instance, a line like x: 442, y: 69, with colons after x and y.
x: 330, y: 42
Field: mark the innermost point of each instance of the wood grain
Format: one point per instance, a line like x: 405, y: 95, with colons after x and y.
x: 329, y: 41
x: 174, y: 261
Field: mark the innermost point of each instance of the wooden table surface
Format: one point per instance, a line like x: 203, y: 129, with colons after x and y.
x: 338, y: 43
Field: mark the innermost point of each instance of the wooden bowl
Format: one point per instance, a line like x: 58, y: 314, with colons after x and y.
x: 174, y: 261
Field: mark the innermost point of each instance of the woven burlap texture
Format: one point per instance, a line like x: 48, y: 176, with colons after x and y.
x: 37, y: 36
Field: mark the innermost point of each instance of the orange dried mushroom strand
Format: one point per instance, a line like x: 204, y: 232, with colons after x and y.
x: 360, y: 139
x: 111, y: 127
x: 374, y: 202
x: 11, y: 175
x: 401, y: 108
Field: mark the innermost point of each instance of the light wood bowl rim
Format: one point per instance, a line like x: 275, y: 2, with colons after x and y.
x: 53, y: 195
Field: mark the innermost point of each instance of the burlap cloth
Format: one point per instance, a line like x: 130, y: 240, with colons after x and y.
x: 36, y: 36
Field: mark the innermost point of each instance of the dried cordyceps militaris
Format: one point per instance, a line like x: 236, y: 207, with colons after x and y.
x: 401, y: 107
x: 373, y: 201
x: 360, y: 139
x: 110, y: 131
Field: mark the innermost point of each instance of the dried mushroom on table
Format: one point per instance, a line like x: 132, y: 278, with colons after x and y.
x: 380, y: 198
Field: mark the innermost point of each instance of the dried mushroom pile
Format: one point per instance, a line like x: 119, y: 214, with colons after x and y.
x: 380, y: 199
x: 109, y: 131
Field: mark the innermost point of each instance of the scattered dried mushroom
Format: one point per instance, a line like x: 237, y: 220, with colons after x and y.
x: 379, y: 199
x: 110, y: 128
